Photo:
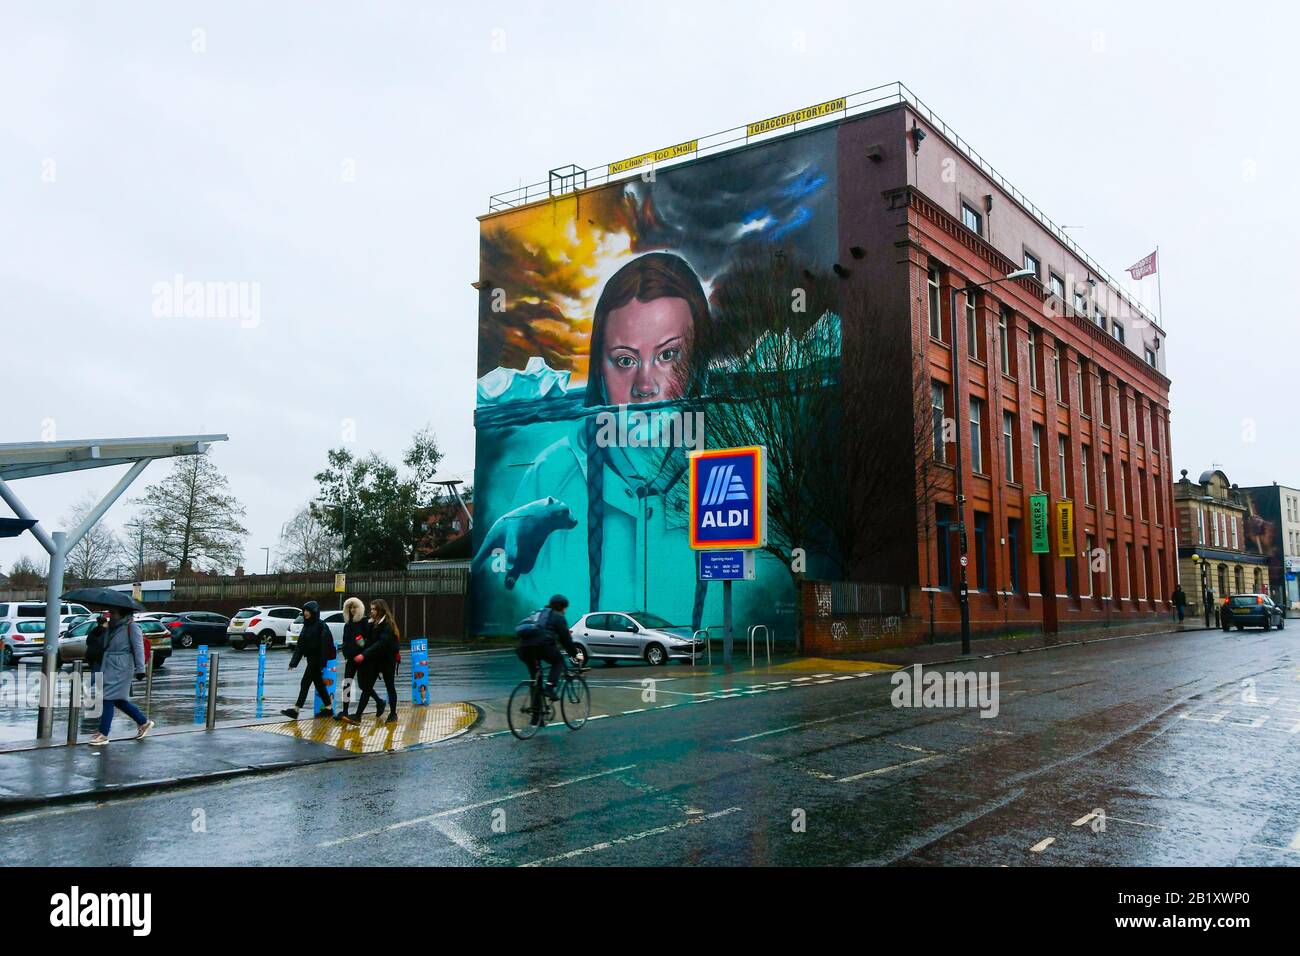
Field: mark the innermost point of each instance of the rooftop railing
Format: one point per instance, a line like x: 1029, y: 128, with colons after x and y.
x: 567, y: 179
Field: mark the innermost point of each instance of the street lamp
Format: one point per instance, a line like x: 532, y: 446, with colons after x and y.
x: 268, y: 559
x: 963, y: 597
x: 1205, y: 585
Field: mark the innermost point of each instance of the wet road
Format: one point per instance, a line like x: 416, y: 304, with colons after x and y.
x: 1179, y: 749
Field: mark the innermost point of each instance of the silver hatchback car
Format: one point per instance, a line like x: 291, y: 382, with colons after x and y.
x: 611, y: 636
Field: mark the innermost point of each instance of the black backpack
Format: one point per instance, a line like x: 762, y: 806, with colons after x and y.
x: 95, y: 645
x: 531, y: 626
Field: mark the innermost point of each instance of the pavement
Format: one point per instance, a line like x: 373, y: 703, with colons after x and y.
x: 1173, y: 749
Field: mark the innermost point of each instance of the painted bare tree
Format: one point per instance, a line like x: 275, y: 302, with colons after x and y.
x: 191, y: 519
x: 810, y: 367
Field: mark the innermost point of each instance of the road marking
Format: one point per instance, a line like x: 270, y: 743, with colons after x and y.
x: 1295, y: 841
x: 1042, y: 845
x: 806, y: 723
x: 458, y: 835
x: 897, y: 766
x: 441, y: 814
x: 634, y: 837
x: 1087, y: 817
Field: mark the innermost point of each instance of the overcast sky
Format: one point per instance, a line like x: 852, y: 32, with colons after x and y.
x: 334, y: 156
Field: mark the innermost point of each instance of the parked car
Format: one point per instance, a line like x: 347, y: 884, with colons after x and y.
x: 72, y: 621
x: 157, y: 642
x: 263, y: 624
x: 1251, y: 610
x: 192, y: 628
x: 21, y: 638
x: 333, y: 620
x: 611, y: 636
x: 27, y: 610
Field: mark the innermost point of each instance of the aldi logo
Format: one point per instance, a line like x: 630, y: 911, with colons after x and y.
x: 728, y: 488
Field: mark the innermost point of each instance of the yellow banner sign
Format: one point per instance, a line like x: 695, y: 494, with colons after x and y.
x: 657, y: 156
x: 1065, y: 529
x: 340, y: 582
x: 798, y: 116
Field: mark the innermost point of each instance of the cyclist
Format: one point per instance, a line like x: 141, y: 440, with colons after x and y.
x: 538, y: 635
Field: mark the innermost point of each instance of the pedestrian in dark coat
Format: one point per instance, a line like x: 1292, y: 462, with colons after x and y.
x: 315, y: 646
x: 1179, y: 599
x: 355, y: 629
x: 378, y: 658
x: 123, y: 660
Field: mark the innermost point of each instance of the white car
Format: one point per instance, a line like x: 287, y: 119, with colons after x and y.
x: 264, y: 624
x: 333, y: 620
x: 21, y: 638
x: 35, y: 610
x: 611, y: 636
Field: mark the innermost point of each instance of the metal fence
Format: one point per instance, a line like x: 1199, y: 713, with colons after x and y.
x: 285, y: 586
x: 853, y: 598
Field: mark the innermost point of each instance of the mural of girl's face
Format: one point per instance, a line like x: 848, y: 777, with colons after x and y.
x: 645, y: 343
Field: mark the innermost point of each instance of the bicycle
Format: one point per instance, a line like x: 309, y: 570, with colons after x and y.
x: 530, y: 709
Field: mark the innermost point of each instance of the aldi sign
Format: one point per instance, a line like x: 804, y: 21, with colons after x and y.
x: 728, y: 488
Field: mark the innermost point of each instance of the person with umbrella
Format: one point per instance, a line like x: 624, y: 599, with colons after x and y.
x: 122, y: 661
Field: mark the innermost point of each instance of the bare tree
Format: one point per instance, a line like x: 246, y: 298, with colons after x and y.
x: 26, y: 573
x: 306, y: 544
x: 190, y: 518
x: 98, y: 554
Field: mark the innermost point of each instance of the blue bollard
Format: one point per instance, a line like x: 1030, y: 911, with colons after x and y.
x: 420, y: 671
x: 201, y: 667
x: 329, y: 674
x: 261, y: 677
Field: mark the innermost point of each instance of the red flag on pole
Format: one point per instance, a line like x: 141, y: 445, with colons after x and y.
x: 1143, y: 267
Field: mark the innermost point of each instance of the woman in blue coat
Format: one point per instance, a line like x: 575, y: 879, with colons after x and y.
x: 123, y: 661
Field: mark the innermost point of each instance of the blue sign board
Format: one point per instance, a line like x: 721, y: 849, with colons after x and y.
x: 726, y: 565
x: 200, y: 684
x: 728, y: 490
x: 261, y: 677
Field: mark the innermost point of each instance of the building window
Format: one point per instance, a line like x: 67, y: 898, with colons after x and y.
x: 1239, y: 579
x: 1031, y: 262
x: 1063, y: 462
x: 1009, y: 444
x: 974, y: 328
x: 1085, y: 387
x: 1071, y: 585
x: 1123, y: 410
x: 1013, y: 554
x: 972, y: 219
x: 1088, y: 545
x: 1081, y: 304
x: 1107, y: 491
x: 1142, y: 494
x: 1004, y: 341
x: 936, y: 316
x: 1038, y: 456
x: 938, y: 401
x: 945, y: 527
x: 1034, y: 367
x: 1085, y: 461
x: 976, y: 436
x: 1098, y: 316
x: 1234, y: 533
x: 1057, y: 285
x: 1105, y: 399
x: 1062, y: 393
x: 1150, y: 356
x: 1131, y: 568
x: 981, y: 551
x: 1125, y: 471
x: 1200, y: 526
x: 1110, y: 567
x: 1223, y: 580
x: 1116, y: 330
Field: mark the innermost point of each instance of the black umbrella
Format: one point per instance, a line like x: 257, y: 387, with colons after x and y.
x: 104, y: 597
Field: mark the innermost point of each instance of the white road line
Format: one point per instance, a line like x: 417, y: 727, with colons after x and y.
x: 1086, y: 818
x: 441, y: 814
x: 1042, y: 845
x: 897, y: 766
x: 634, y: 837
x: 458, y: 835
x: 806, y: 723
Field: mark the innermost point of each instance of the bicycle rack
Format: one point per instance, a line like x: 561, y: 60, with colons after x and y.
x: 767, y: 636
x: 708, y: 647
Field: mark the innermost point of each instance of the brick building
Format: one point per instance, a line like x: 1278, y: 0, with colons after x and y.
x: 1060, y: 388
x: 1214, y: 518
